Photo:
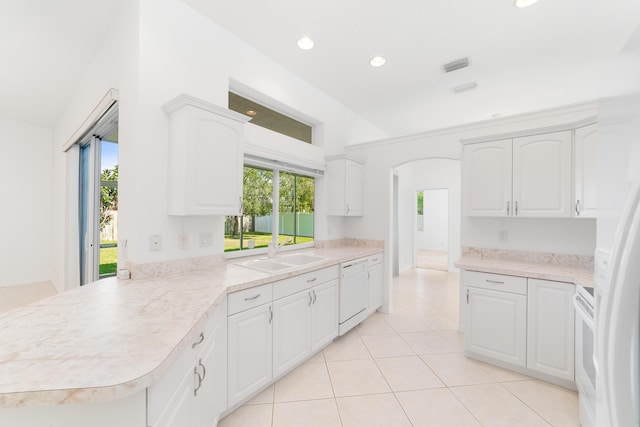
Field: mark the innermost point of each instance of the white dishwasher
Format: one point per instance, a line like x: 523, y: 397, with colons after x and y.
x: 354, y: 294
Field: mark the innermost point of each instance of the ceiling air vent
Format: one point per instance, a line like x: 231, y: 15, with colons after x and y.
x: 465, y: 87
x: 456, y: 65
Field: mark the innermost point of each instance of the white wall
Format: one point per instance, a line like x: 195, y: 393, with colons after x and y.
x: 435, y: 231
x: 406, y: 217
x: 26, y: 213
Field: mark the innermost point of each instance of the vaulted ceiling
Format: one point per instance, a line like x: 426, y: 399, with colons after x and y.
x: 551, y: 54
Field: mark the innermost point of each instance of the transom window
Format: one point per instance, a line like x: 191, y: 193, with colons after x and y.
x: 271, y: 119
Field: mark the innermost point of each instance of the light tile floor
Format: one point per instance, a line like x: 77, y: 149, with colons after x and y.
x: 407, y: 368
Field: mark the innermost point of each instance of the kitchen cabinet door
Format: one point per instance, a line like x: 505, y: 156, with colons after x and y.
x: 211, y: 373
x: 375, y: 284
x: 345, y: 184
x: 487, y: 178
x: 324, y: 314
x: 179, y: 409
x: 496, y: 325
x: 550, y: 330
x: 206, y: 153
x: 249, y: 352
x: 542, y: 175
x: 586, y: 162
x: 291, y: 331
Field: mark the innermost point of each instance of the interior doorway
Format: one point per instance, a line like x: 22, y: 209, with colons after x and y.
x: 432, y: 229
x: 440, y: 180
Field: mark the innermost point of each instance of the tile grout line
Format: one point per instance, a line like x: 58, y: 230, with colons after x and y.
x: 525, y: 404
x: 333, y: 390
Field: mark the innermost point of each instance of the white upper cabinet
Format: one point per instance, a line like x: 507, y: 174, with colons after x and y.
x: 487, y: 168
x: 344, y: 187
x: 542, y: 175
x: 586, y: 151
x: 521, y: 177
x: 206, y: 150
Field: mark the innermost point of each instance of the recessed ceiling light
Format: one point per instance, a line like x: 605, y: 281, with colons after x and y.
x: 251, y: 113
x: 377, y: 61
x: 521, y: 4
x: 305, y: 43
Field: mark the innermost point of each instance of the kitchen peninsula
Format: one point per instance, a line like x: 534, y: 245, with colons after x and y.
x: 103, y: 346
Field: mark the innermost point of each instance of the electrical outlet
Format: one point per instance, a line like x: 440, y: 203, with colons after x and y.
x: 155, y: 242
x: 206, y: 239
x: 503, y: 236
x: 183, y: 241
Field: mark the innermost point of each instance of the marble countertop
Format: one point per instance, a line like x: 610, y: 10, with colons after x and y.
x: 114, y: 337
x: 545, y: 271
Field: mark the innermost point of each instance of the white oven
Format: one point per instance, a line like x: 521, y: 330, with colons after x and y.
x: 585, y: 368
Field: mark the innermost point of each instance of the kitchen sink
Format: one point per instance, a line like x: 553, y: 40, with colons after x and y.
x: 282, y: 263
x: 300, y: 259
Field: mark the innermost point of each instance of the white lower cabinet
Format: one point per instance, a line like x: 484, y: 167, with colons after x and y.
x: 298, y: 317
x: 291, y: 331
x: 303, y: 323
x: 375, y: 283
x: 550, y: 331
x: 193, y: 392
x: 324, y: 315
x: 249, y: 352
x: 524, y: 322
x: 496, y: 325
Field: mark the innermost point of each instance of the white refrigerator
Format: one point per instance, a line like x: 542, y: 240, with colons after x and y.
x: 617, y: 303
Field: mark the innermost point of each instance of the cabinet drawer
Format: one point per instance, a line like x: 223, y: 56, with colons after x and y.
x: 496, y: 282
x: 299, y: 283
x: 249, y: 298
x: 375, y: 259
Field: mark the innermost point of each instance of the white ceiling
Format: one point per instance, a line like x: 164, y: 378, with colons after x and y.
x: 551, y: 54
x: 45, y: 48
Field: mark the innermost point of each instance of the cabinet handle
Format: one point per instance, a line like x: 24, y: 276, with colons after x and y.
x: 270, y: 314
x: 578, y: 207
x: 497, y: 282
x: 198, y: 380
x: 347, y: 209
x: 314, y: 296
x: 312, y: 280
x: 516, y: 208
x: 252, y: 298
x: 467, y: 296
x: 204, y: 370
x: 508, y: 208
x: 310, y: 299
x: 195, y: 344
x: 369, y: 276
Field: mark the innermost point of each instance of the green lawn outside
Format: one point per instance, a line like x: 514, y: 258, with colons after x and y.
x: 262, y: 240
x: 108, y: 259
